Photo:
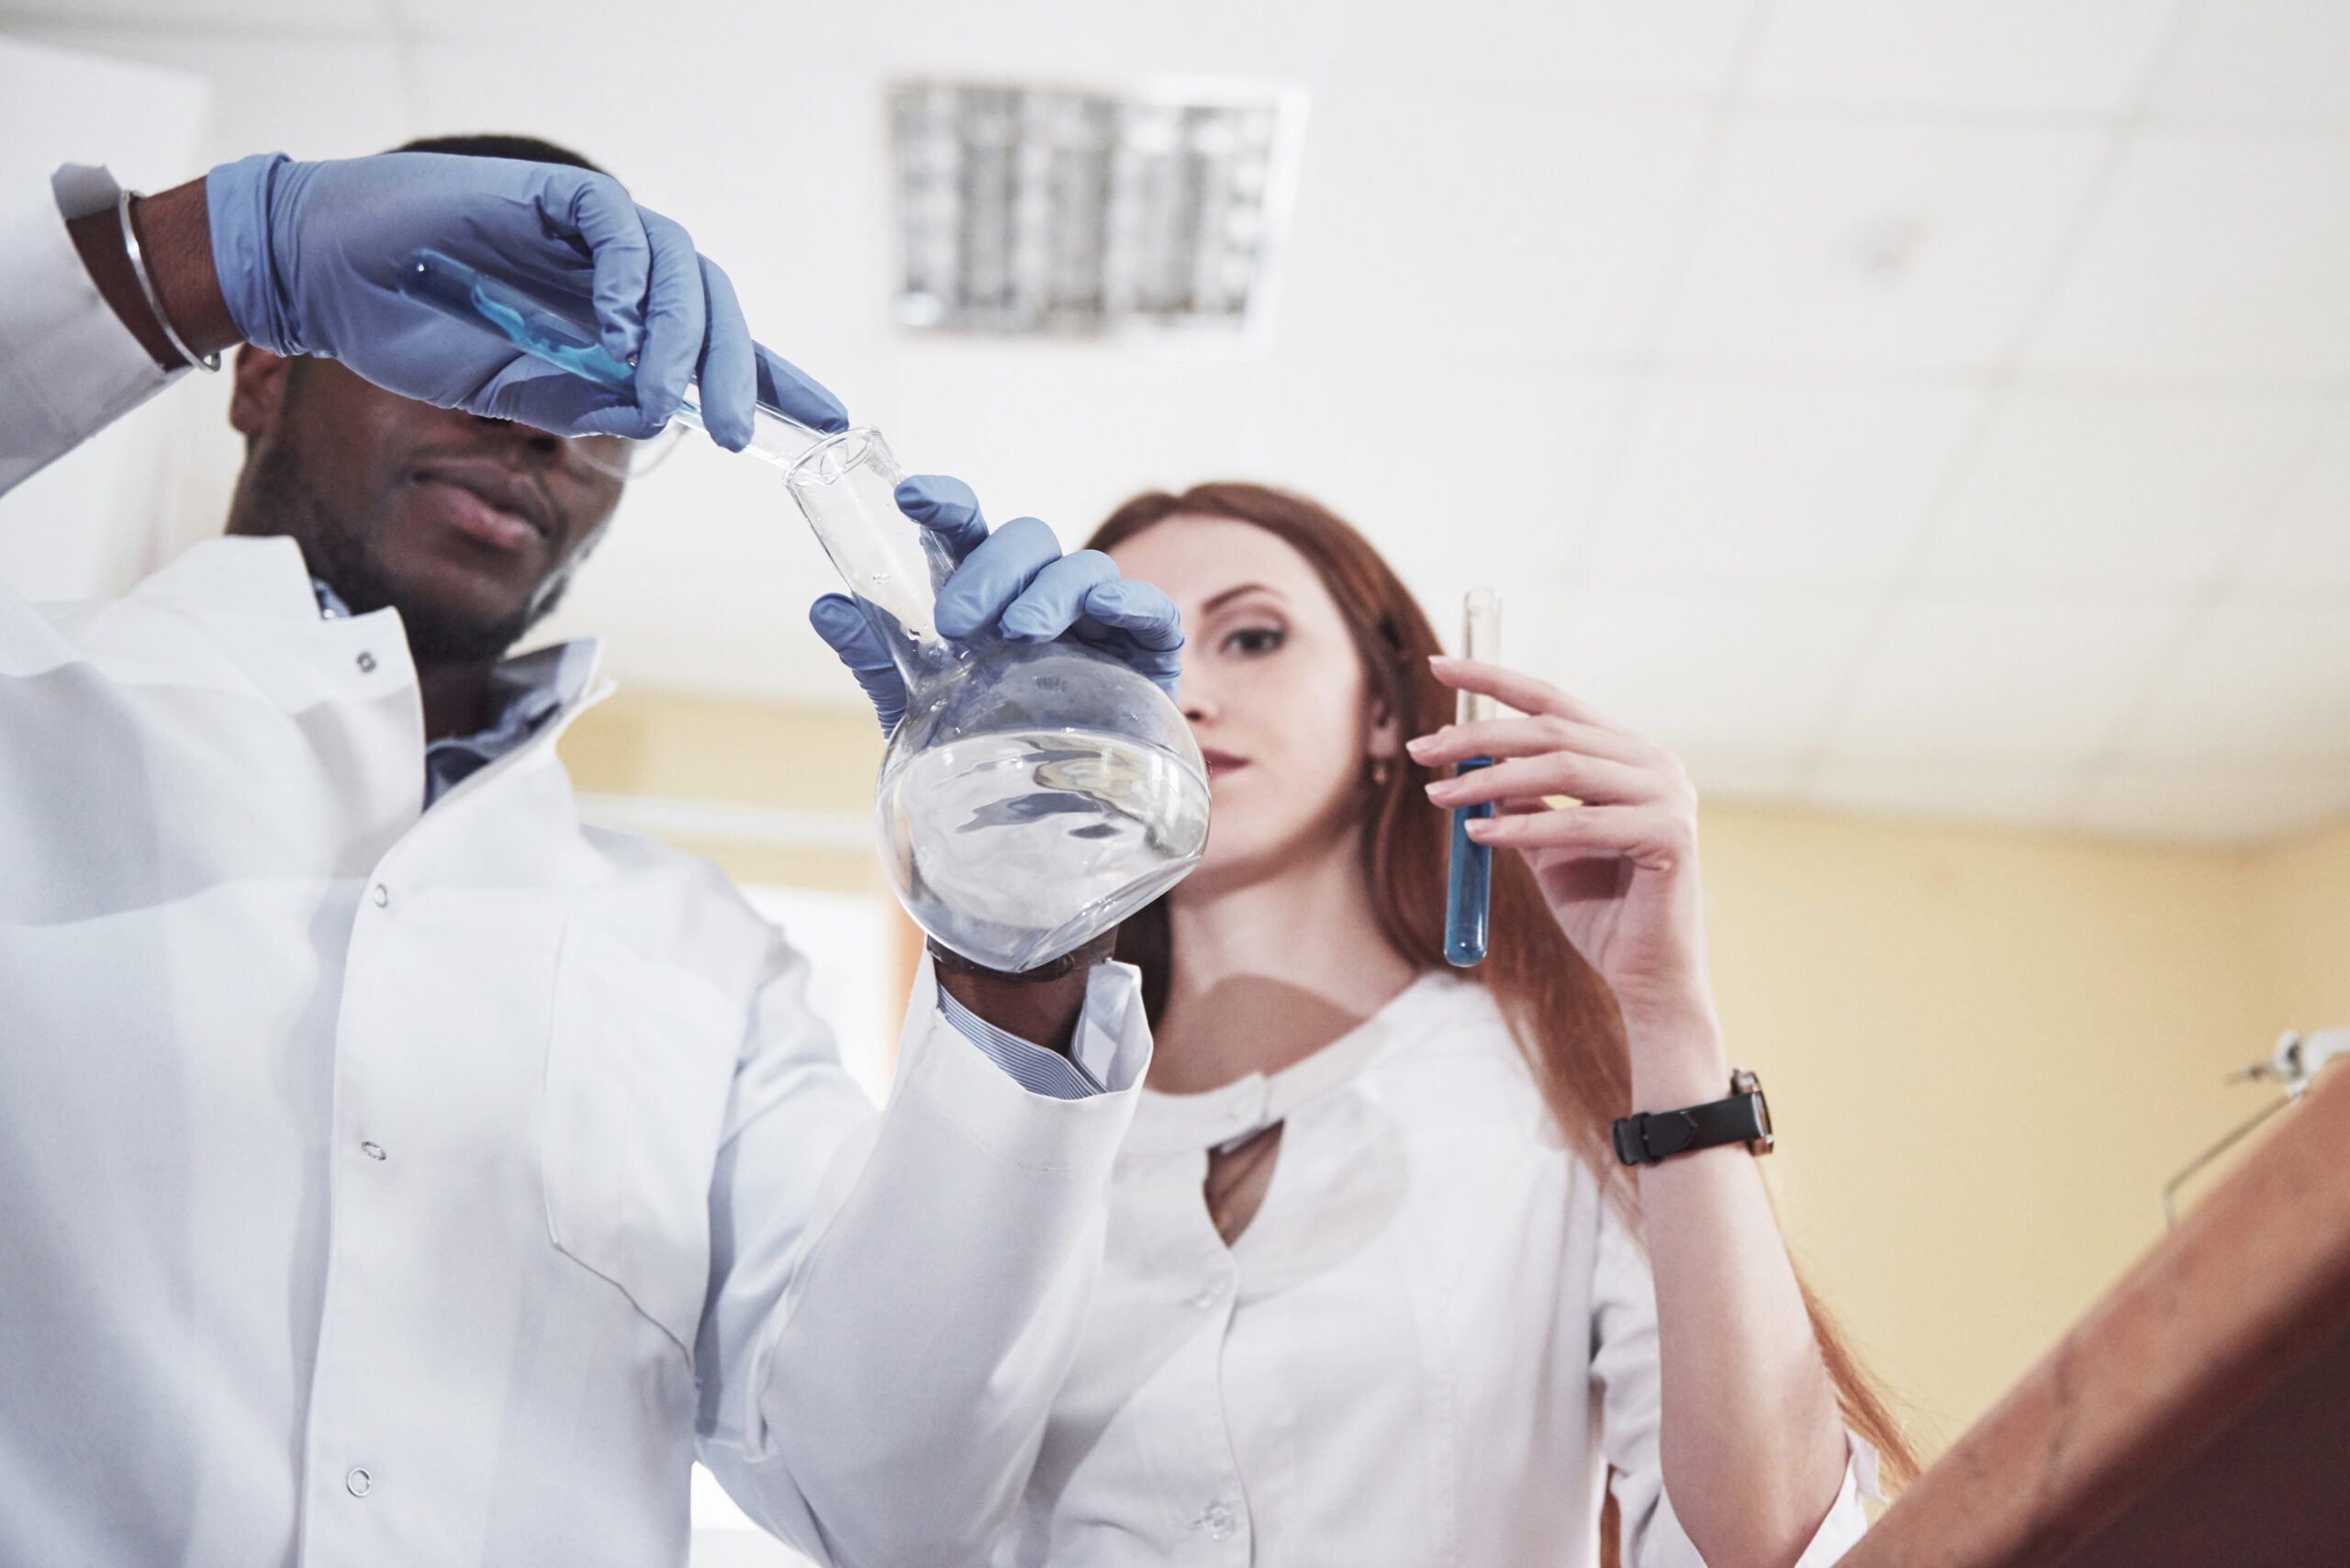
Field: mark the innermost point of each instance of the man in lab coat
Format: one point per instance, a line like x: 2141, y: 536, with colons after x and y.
x: 393, y: 1170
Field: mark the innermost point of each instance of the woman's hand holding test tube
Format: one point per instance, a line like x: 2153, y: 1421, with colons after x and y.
x: 1619, y: 869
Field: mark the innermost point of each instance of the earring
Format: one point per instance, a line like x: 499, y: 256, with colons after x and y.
x: 1382, y: 769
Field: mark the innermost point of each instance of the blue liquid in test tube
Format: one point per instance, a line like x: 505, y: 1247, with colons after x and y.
x: 545, y: 331
x: 1470, y: 886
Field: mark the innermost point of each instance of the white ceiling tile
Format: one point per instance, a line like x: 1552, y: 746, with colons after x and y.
x: 1776, y: 481
x: 1771, y: 776
x: 1964, y: 784
x: 704, y: 583
x: 2257, y: 680
x: 2241, y: 804
x: 572, y: 22
x: 1061, y: 430
x: 2033, y: 56
x: 2260, y: 62
x: 60, y: 99
x: 1708, y: 673
x: 1474, y: 478
x: 1958, y: 673
x: 311, y: 17
x: 2212, y: 255
x: 1685, y: 47
x: 676, y: 628
x: 2305, y: 549
x: 1501, y: 227
x: 328, y: 97
x: 1090, y: 42
x: 796, y: 209
x: 2092, y: 491
x: 1842, y: 242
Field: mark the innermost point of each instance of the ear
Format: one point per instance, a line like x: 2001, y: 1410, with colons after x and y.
x: 1384, y: 739
x: 258, y: 389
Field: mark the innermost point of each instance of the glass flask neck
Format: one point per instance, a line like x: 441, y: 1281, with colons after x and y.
x: 845, y: 485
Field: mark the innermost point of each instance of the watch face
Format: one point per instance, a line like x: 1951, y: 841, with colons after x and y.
x: 1744, y: 1082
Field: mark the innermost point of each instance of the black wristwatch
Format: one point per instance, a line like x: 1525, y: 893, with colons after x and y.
x: 1744, y: 1118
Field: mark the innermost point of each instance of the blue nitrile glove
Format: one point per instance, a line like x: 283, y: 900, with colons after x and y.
x: 1015, y: 579
x: 309, y: 255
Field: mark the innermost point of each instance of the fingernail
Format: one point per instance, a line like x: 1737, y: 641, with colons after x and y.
x: 1480, y: 828
x: 1420, y: 746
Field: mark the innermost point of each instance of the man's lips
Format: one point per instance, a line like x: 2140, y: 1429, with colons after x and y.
x: 488, y: 502
x: 1220, y: 762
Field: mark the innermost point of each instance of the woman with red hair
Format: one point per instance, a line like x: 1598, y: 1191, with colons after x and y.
x: 1378, y: 1286
x: 1378, y: 1289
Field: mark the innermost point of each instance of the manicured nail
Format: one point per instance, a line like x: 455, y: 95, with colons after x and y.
x: 1419, y: 745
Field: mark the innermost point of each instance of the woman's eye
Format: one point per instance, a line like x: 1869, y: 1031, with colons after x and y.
x: 1253, y: 639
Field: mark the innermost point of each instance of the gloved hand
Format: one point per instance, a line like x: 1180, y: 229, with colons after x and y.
x: 1015, y: 579
x: 309, y: 257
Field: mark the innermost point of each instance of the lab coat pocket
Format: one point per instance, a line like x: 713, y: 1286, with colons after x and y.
x: 640, y: 1059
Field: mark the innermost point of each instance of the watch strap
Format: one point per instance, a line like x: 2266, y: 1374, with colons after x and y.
x: 1652, y: 1136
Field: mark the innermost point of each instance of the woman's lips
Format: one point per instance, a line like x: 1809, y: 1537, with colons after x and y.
x: 1220, y: 762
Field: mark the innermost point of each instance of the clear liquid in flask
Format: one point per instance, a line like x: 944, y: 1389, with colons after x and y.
x: 1013, y: 847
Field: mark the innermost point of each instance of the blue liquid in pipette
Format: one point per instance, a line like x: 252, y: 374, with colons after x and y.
x: 538, y: 329
x: 591, y: 361
x: 1468, y: 888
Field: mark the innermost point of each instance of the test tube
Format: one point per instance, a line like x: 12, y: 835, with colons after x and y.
x: 1469, y: 892
x: 545, y: 332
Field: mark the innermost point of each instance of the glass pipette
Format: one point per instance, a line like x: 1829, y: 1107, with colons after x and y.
x: 1469, y: 892
x: 1034, y: 795
x: 539, y: 329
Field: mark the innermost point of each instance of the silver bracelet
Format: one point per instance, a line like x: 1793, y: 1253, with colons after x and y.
x: 147, y: 286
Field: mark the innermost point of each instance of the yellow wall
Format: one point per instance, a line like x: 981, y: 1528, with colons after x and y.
x: 710, y: 748
x: 1986, y: 1051
x: 819, y: 762
x: 2301, y: 896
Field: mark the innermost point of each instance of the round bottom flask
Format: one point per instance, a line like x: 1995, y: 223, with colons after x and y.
x: 1035, y: 794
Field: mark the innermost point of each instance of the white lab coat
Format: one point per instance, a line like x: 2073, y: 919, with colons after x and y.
x: 380, y: 1187
x: 1425, y: 1351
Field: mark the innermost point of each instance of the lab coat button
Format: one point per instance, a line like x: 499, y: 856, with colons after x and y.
x: 359, y: 1483
x: 382, y: 895
x: 367, y: 663
x: 1218, y: 1519
x: 372, y: 1150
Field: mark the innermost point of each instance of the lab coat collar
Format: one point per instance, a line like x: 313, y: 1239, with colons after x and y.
x: 565, y: 672
x: 265, y: 577
x: 257, y: 578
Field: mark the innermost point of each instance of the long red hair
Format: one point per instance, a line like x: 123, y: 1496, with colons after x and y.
x: 1562, y: 1013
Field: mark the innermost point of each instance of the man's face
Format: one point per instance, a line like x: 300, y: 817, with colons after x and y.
x: 469, y: 527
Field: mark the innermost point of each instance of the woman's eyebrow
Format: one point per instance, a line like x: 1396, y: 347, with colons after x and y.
x: 1232, y: 593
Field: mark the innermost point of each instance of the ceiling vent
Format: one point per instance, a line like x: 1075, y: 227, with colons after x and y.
x: 1155, y: 213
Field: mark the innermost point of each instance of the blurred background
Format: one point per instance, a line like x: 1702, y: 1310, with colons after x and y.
x: 1931, y: 418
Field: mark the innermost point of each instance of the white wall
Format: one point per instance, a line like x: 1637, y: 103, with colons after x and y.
x: 89, y: 522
